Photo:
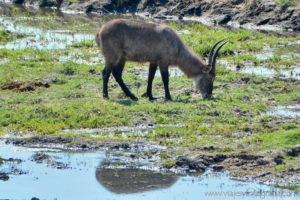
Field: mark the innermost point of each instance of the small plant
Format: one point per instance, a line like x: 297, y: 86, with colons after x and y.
x: 84, y: 43
x: 68, y: 68
x: 4, y: 36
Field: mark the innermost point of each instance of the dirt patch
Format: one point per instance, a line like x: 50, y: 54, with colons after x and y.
x: 19, y: 86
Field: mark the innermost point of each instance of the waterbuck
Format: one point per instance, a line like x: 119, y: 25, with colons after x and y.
x: 124, y: 40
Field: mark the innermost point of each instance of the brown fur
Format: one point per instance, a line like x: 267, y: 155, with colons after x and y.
x: 124, y: 40
x: 146, y: 42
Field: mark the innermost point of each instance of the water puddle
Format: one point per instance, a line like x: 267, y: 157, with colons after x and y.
x: 87, y: 178
x: 40, y: 39
x: 284, y: 52
x: 291, y: 111
x: 271, y: 73
x: 292, y: 73
x: 93, y: 58
x: 140, y: 130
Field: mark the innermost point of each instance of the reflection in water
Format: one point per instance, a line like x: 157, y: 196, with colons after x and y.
x: 133, y: 180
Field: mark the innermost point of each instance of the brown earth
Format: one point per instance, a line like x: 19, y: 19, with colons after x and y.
x: 19, y: 86
x: 225, y: 12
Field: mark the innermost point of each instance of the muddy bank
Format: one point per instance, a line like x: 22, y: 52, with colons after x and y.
x: 265, y: 14
x: 128, y: 155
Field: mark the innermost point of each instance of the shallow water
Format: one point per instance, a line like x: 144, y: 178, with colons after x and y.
x: 140, y: 130
x: 40, y: 39
x: 86, y: 179
x: 291, y: 111
x: 292, y: 73
x: 271, y: 73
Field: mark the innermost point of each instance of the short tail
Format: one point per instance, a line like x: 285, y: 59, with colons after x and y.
x: 98, y: 40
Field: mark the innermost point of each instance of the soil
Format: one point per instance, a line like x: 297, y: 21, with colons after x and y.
x: 18, y: 86
x: 258, y: 14
x: 242, y: 165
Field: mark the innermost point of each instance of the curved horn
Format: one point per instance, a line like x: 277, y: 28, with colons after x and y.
x: 211, y: 52
x: 214, y: 58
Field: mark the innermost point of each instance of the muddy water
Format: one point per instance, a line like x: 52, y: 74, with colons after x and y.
x: 85, y: 178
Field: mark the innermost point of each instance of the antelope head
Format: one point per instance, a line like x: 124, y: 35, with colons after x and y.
x: 204, y: 82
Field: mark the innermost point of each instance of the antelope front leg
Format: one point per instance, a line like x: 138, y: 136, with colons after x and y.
x: 165, y: 78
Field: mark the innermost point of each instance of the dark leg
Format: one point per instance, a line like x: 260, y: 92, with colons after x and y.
x: 117, y: 73
x: 152, y: 70
x: 165, y: 78
x: 105, y: 77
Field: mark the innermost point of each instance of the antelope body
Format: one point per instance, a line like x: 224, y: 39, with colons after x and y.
x: 124, y: 40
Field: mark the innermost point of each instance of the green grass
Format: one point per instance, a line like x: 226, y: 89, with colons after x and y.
x: 4, y: 36
x: 74, y: 101
x: 85, y: 43
x: 277, y: 140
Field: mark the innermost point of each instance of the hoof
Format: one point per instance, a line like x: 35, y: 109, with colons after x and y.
x: 134, y: 98
x: 152, y: 99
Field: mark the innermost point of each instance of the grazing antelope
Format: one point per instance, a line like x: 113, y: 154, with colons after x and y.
x: 124, y: 40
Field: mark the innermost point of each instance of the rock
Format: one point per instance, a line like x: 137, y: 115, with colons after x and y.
x: 35, y: 198
x: 121, y: 146
x: 92, y: 71
x: 48, y: 160
x: 264, y: 174
x: 191, y: 164
x: 208, y: 148
x: 12, y: 160
x: 40, y: 157
x: 3, y: 176
x: 74, y: 96
x: 262, y: 162
x: 246, y: 79
x: 278, y: 160
x: 51, y: 79
x: 295, y: 151
x: 26, y: 88
x: 217, y: 168
x: 245, y: 156
x: 263, y: 21
x: 223, y: 19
